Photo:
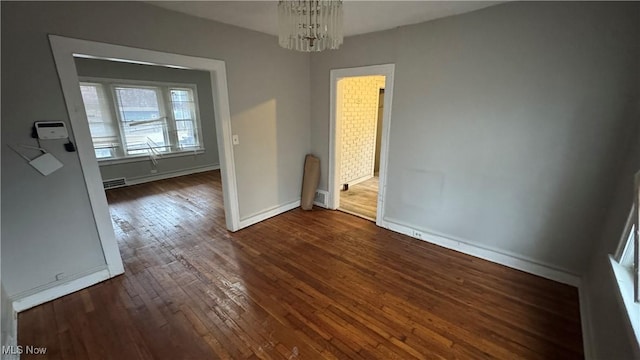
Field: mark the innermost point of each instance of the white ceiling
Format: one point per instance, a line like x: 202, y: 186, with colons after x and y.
x: 359, y: 16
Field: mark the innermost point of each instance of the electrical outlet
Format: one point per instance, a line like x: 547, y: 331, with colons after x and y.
x: 59, y: 276
x: 417, y: 234
x: 236, y: 140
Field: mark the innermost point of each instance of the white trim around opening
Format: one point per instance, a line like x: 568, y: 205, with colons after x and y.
x: 64, y: 50
x: 386, y: 70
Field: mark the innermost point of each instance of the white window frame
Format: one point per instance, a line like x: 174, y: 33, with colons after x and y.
x: 164, y: 100
x: 625, y: 265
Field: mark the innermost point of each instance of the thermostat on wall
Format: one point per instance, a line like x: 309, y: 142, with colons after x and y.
x: 51, y: 130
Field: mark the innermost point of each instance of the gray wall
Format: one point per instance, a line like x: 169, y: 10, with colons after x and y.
x: 142, y: 167
x: 505, y: 122
x: 47, y: 226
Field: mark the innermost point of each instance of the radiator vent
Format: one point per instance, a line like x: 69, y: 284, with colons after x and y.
x: 114, y: 183
x: 321, y: 198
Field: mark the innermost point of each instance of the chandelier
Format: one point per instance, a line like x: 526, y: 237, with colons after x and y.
x: 310, y: 25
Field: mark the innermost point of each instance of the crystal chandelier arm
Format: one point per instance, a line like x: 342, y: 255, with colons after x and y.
x: 310, y: 25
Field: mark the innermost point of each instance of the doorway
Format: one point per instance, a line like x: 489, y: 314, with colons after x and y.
x: 360, y: 109
x: 360, y: 117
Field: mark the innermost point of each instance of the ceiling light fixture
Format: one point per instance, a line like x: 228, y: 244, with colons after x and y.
x: 310, y: 25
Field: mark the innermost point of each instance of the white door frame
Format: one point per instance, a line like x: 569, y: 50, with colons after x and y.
x: 64, y: 50
x: 386, y: 70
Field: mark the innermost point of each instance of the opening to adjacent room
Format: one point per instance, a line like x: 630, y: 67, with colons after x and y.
x: 360, y: 117
x: 153, y: 134
x: 360, y: 107
x: 161, y: 120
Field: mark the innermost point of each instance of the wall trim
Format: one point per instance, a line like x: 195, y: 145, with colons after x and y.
x: 585, y: 322
x: 11, y: 338
x: 510, y: 260
x: 387, y: 70
x: 145, y: 158
x: 624, y: 282
x: 253, y: 219
x: 55, y: 290
x: 171, y: 174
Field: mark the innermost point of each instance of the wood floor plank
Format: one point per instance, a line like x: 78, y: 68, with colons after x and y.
x: 303, y: 285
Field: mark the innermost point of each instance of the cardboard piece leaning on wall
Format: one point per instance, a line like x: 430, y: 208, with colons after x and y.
x: 310, y: 181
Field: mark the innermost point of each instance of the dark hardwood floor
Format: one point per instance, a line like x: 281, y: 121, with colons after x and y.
x: 302, y: 285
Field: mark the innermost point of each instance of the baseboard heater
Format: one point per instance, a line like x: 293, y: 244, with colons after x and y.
x: 114, y: 183
x: 320, y: 199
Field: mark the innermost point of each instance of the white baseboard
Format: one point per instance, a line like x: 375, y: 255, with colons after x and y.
x: 585, y: 322
x: 13, y: 340
x: 22, y: 302
x: 10, y: 336
x: 510, y: 260
x: 11, y: 346
x: 253, y: 219
x: 168, y: 175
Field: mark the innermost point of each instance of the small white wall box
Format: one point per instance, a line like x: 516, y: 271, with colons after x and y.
x: 49, y: 130
x: 46, y: 164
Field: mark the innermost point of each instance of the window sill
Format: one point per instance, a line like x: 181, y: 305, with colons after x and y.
x: 146, y: 157
x: 624, y: 280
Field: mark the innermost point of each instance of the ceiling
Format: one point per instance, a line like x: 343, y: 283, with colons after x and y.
x: 359, y: 16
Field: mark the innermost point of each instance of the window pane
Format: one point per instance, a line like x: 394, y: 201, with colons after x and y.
x: 629, y: 252
x: 101, y: 125
x: 182, y: 104
x: 138, y: 103
x: 103, y: 153
x: 143, y: 123
x: 186, y: 133
x: 184, y: 112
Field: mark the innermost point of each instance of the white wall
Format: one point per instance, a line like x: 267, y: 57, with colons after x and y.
x: 47, y: 226
x: 359, y: 120
x: 505, y: 122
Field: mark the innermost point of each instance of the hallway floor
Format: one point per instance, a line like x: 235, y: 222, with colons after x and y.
x: 361, y: 199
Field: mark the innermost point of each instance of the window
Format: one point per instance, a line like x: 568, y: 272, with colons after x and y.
x: 101, y: 124
x: 628, y: 254
x: 128, y: 119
